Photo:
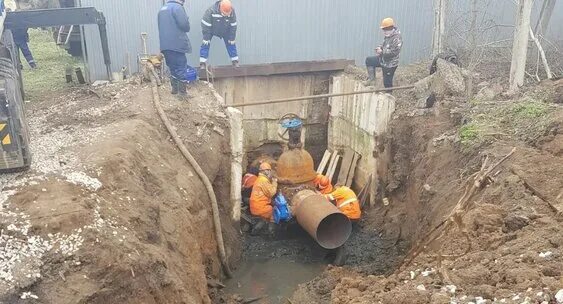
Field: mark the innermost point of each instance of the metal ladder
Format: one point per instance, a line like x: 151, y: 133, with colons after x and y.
x: 65, y: 31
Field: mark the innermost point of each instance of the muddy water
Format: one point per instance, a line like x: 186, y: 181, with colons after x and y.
x: 275, y: 277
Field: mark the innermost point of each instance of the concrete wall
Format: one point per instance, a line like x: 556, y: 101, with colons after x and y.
x: 261, y: 122
x: 357, y: 122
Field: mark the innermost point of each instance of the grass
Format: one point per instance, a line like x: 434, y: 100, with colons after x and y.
x: 527, y: 119
x: 51, y: 60
x: 468, y: 133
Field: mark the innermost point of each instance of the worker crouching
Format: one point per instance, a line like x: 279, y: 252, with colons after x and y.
x: 264, y: 189
x: 347, y: 202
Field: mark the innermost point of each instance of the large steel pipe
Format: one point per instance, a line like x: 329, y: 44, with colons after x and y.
x: 321, y: 219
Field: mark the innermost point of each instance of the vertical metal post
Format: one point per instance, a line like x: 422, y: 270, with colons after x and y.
x: 105, y: 45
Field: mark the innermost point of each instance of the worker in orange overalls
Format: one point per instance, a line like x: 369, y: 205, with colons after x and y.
x: 347, y: 202
x: 264, y: 190
x: 248, y: 181
x: 323, y: 184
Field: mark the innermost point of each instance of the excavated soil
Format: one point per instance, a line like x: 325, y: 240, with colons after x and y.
x: 110, y: 210
x: 515, y: 235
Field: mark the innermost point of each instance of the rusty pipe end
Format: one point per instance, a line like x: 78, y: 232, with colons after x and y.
x: 321, y: 219
x: 333, y: 231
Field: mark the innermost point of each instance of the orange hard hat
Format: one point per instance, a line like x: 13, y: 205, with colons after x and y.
x: 387, y: 22
x: 324, y: 182
x: 265, y: 166
x: 226, y: 7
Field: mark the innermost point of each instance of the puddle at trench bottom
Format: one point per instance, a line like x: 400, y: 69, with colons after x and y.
x: 275, y: 277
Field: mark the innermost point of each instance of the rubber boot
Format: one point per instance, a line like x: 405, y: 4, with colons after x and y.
x: 340, y: 256
x: 258, y: 227
x: 174, y: 84
x: 371, y: 76
x: 182, y: 91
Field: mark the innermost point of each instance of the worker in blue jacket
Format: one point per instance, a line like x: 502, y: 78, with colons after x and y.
x: 219, y: 20
x: 173, y: 28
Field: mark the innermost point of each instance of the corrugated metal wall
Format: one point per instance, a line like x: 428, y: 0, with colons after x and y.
x: 278, y: 31
x: 268, y: 31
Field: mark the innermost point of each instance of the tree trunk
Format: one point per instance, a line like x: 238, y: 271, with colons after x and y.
x: 438, y: 34
x: 473, y: 49
x: 520, y: 46
x: 545, y: 17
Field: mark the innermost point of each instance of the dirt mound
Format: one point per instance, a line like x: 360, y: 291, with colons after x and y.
x: 110, y: 211
x: 514, y: 248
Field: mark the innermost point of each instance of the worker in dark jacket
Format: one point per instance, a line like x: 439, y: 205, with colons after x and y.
x: 173, y: 28
x: 21, y: 39
x: 387, y: 54
x: 219, y: 20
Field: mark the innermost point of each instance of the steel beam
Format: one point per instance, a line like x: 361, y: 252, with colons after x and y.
x: 278, y: 68
x: 60, y: 17
x: 53, y: 17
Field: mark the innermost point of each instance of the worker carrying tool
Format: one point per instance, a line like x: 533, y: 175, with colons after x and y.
x: 220, y: 20
x: 346, y: 201
x: 386, y: 55
x: 264, y: 190
x: 248, y: 181
x: 323, y: 184
x: 173, y: 29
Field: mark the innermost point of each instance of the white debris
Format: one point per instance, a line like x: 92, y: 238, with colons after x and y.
x: 421, y: 287
x: 427, y: 272
x: 480, y: 300
x: 413, y: 275
x: 516, y: 298
x: 450, y: 288
x: 546, y: 254
x: 559, y: 296
x: 81, y: 179
x: 27, y: 295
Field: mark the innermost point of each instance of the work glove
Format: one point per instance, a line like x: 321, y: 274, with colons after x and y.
x: 232, y: 42
x: 206, y: 42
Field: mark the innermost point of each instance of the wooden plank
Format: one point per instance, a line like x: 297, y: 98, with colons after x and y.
x: 364, y: 193
x: 352, y: 172
x: 330, y: 163
x: 347, y: 159
x: 330, y: 174
x: 279, y: 68
x: 324, y: 162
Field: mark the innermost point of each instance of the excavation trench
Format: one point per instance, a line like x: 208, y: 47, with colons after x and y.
x: 299, y: 251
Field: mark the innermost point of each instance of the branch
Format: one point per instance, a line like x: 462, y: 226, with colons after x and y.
x: 542, y: 53
x: 474, y: 183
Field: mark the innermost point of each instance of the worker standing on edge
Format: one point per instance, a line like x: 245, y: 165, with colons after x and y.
x: 264, y: 190
x: 347, y: 202
x: 323, y: 184
x: 386, y: 55
x: 173, y: 28
x: 219, y: 20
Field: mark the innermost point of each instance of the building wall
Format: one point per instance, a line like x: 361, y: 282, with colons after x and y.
x: 289, y: 30
x: 357, y: 122
x: 261, y: 123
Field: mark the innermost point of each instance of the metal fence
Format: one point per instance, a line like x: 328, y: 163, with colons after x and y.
x: 278, y: 31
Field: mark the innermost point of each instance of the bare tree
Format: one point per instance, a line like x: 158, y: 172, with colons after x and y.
x: 439, y: 32
x: 520, y: 45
